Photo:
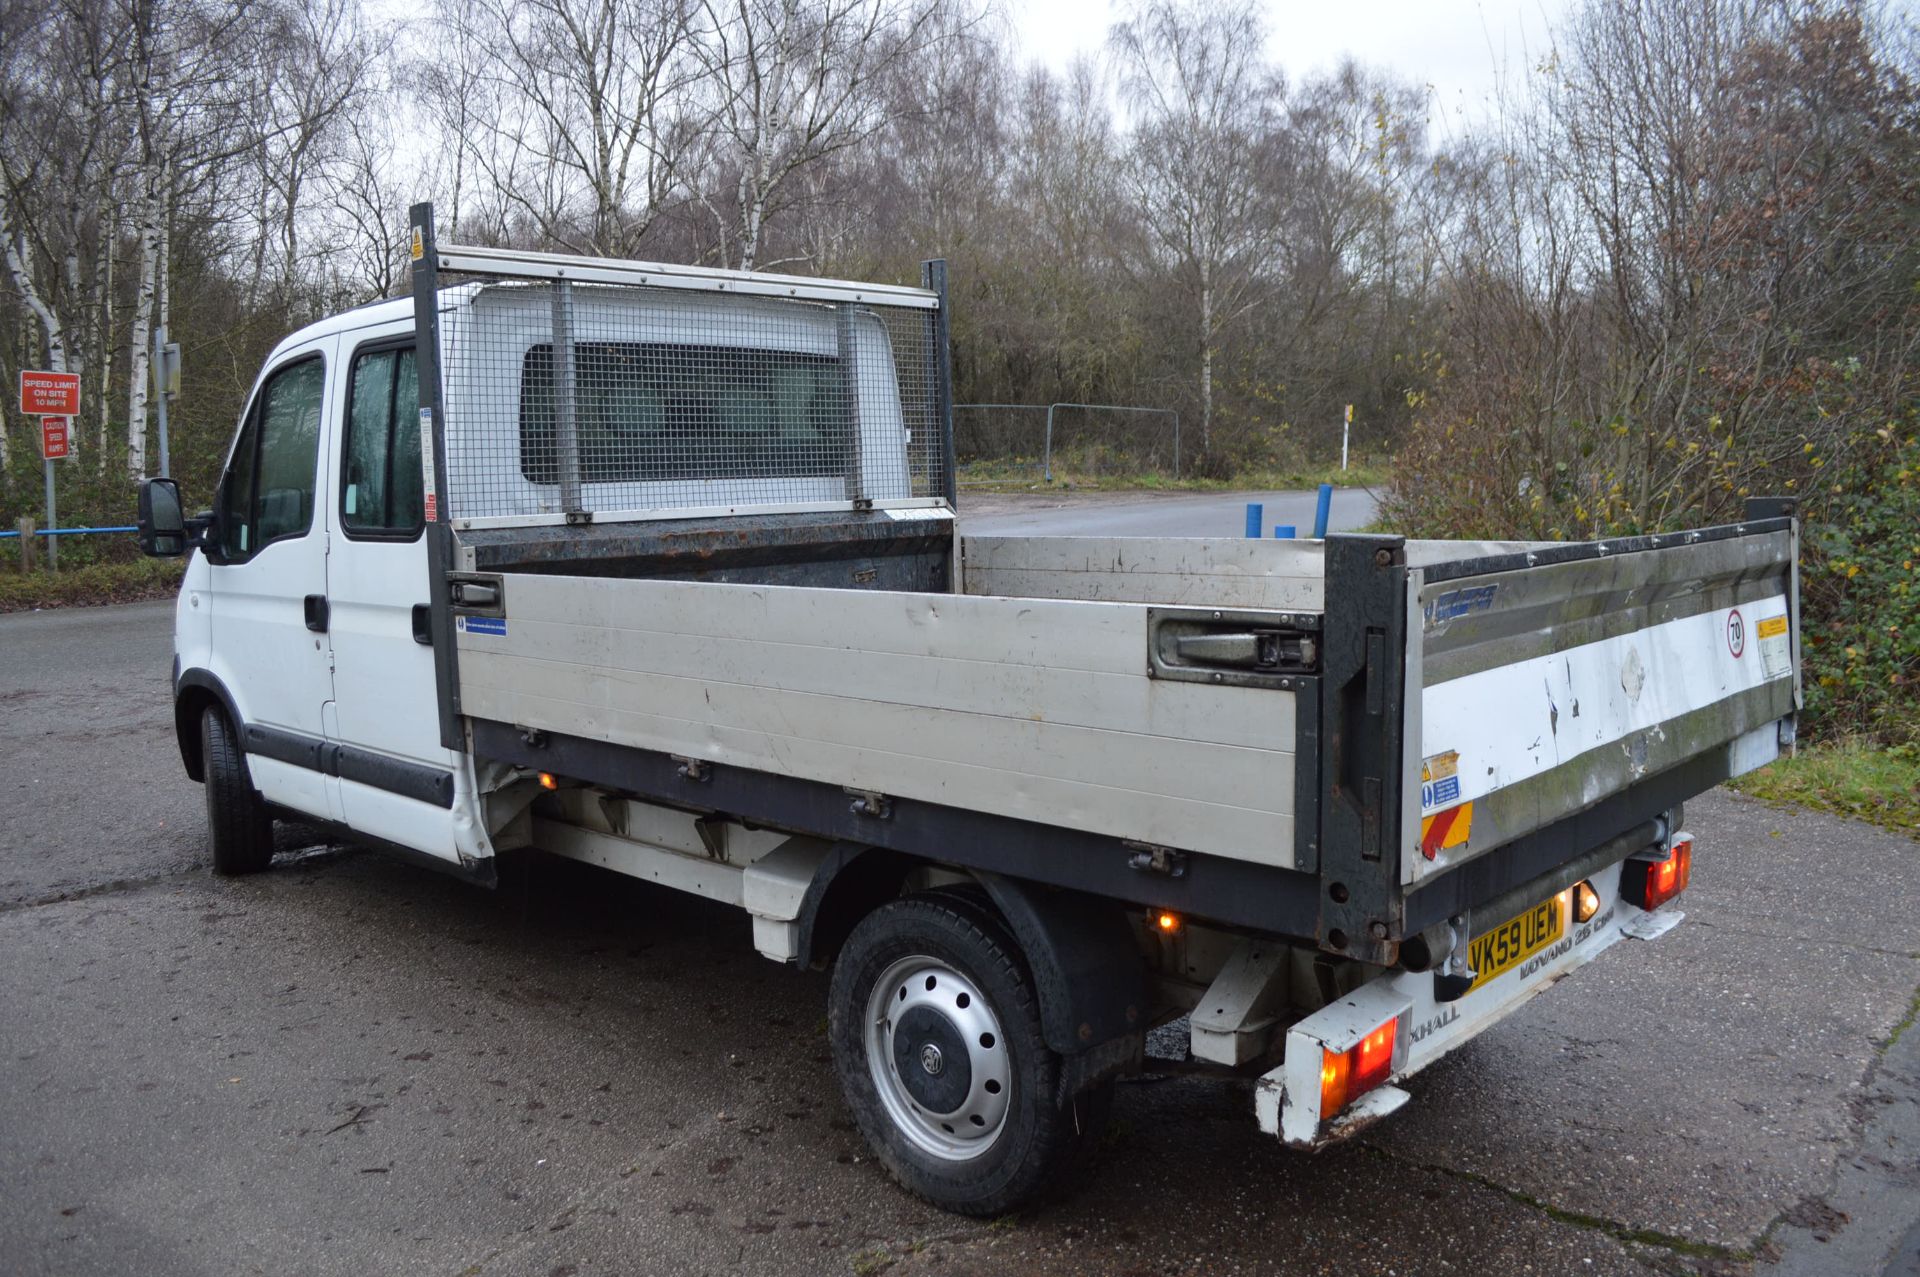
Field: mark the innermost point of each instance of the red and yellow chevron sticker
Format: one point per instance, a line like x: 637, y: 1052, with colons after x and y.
x: 1445, y: 829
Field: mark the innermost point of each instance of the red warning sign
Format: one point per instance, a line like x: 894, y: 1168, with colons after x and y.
x: 49, y: 394
x: 56, y: 438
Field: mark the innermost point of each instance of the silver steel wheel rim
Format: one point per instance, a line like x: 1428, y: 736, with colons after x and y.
x: 971, y: 1129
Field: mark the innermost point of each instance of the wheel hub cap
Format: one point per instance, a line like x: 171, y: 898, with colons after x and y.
x: 938, y: 1058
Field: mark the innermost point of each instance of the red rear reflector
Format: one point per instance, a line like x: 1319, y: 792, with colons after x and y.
x: 1347, y: 1075
x: 1651, y: 883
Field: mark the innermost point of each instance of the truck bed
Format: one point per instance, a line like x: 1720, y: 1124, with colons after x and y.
x: 1047, y: 690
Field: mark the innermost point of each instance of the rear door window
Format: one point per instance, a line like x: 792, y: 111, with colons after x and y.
x: 380, y: 483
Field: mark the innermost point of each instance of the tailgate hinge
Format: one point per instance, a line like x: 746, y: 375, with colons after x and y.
x: 1149, y: 858
x: 868, y: 803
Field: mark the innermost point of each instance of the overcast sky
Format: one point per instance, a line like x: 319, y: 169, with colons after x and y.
x: 1456, y: 47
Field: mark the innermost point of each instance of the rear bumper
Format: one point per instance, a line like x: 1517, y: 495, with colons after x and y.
x: 1287, y: 1100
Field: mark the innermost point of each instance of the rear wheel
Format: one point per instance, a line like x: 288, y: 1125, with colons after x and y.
x: 936, y: 1038
x: 239, y: 829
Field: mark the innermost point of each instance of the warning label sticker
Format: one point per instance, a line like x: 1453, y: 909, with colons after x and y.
x: 426, y: 466
x: 1439, y: 780
x: 1776, y: 646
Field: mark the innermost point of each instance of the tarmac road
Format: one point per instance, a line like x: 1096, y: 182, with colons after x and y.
x: 352, y: 1066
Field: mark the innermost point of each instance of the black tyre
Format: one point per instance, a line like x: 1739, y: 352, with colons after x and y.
x: 239, y: 830
x: 936, y: 1037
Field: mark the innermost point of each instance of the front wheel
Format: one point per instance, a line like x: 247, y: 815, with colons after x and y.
x: 239, y: 828
x: 936, y: 1038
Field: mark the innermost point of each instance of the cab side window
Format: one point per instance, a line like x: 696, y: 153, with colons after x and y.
x: 267, y: 494
x: 380, y: 483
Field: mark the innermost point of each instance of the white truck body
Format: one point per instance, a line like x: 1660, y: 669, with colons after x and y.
x: 1306, y: 782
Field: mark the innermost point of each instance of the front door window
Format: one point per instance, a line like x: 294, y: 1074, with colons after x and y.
x: 267, y: 494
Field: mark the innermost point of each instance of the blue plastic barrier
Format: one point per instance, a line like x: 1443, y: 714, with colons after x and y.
x: 1323, y: 511
x: 66, y: 532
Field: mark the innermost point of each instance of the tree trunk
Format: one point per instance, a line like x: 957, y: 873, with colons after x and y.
x: 1206, y: 364
x: 21, y: 275
x: 102, y: 310
x: 753, y: 211
x: 162, y: 262
x: 138, y: 357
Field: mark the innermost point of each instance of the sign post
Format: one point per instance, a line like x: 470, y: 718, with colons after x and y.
x: 1345, y: 430
x: 166, y: 384
x: 54, y: 397
x: 56, y: 444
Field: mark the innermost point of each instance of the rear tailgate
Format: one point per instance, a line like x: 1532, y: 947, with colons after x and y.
x: 1547, y: 682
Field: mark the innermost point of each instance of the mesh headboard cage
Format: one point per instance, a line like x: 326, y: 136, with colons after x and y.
x: 686, y: 391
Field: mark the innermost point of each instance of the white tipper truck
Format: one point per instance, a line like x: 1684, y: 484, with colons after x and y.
x: 657, y: 568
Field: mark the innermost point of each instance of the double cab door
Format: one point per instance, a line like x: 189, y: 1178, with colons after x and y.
x: 318, y: 590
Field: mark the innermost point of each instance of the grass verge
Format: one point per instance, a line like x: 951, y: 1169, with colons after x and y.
x: 96, y: 583
x: 1849, y: 778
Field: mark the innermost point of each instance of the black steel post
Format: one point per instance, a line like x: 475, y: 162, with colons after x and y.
x: 1363, y: 695
x: 933, y: 276
x: 433, y: 429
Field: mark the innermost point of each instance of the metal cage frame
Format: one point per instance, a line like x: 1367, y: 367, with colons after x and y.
x: 934, y: 484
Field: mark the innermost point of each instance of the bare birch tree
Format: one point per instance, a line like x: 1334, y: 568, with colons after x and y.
x: 586, y: 114
x: 794, y: 82
x: 1200, y: 162
x: 314, y: 67
x: 192, y: 94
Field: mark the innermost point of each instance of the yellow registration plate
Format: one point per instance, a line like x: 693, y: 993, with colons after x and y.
x: 1516, y: 940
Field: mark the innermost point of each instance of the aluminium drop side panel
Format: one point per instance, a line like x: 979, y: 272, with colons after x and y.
x: 1284, y: 576
x: 1039, y: 710
x: 1544, y: 683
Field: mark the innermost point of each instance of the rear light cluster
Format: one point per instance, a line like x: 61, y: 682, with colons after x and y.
x: 1650, y: 883
x: 1347, y: 1075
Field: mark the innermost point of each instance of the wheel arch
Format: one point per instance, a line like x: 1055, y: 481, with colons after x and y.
x: 193, y: 692
x: 1087, y: 967
x: 1086, y: 964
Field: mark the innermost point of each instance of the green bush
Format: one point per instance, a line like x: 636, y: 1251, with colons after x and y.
x: 1860, y: 629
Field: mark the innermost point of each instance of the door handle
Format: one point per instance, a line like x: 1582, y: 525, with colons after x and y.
x: 316, y: 610
x: 422, y: 625
x: 1232, y: 648
x: 1253, y: 650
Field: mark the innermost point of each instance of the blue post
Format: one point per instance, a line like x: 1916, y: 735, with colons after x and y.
x: 1322, y: 511
x: 1255, y: 516
x: 1284, y: 531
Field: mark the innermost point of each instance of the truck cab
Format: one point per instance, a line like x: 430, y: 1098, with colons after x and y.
x: 300, y: 626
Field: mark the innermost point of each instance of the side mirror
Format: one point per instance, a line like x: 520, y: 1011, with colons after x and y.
x: 163, y: 523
